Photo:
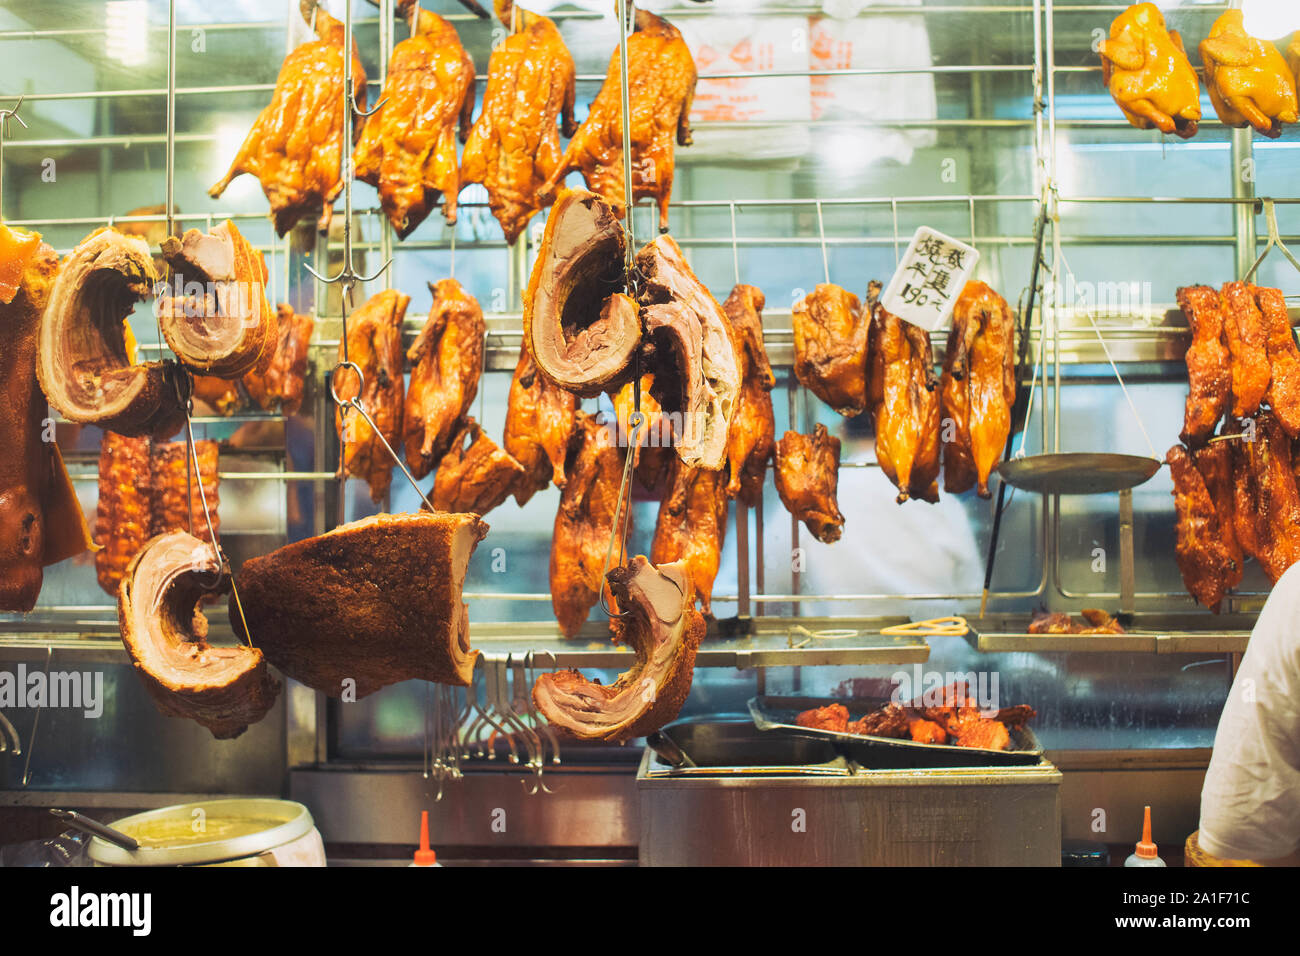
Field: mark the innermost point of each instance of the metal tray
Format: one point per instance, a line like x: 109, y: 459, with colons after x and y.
x: 778, y: 714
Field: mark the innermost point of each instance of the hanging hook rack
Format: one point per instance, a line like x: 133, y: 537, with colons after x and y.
x: 1274, y: 240
x: 5, y: 116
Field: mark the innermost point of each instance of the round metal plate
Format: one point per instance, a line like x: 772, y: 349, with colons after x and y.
x: 1078, y: 473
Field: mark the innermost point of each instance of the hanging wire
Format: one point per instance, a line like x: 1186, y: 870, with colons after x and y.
x: 5, y: 116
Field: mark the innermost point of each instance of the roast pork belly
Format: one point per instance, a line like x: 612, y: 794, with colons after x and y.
x: 830, y: 347
x: 446, y: 364
x: 223, y: 688
x: 124, y: 519
x: 41, y: 521
x: 581, y: 329
x: 369, y: 604
x: 84, y: 363
x: 217, y: 320
x: 807, y: 477
x: 477, y: 478
x: 697, y: 377
x: 664, y: 631
x: 539, y: 423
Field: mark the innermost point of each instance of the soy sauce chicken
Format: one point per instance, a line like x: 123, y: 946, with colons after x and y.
x: 514, y: 146
x: 295, y: 146
x: 1250, y: 84
x: 1145, y: 67
x: 408, y: 146
x: 661, y: 86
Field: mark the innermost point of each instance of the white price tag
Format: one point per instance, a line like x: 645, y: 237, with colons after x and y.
x: 933, y: 271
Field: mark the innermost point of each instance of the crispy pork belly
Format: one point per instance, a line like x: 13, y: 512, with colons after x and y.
x: 369, y: 604
x: 217, y: 319
x: 697, y: 375
x: 581, y: 329
x: 664, y: 631
x: 124, y: 519
x: 223, y: 688
x: 84, y: 362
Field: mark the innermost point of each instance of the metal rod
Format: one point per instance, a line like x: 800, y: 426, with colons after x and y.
x: 171, y: 118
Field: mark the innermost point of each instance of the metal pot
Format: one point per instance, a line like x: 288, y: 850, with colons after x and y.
x: 236, y: 832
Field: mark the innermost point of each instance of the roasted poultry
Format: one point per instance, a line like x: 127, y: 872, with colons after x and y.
x: 371, y: 603
x: 296, y: 144
x: 1203, y: 556
x: 476, y: 478
x: 1095, y: 621
x: 1283, y: 395
x: 1243, y: 329
x: 1267, y: 503
x: 583, y: 523
x: 692, y: 526
x: 830, y: 347
x: 1146, y: 69
x: 219, y: 394
x: 664, y: 631
x: 374, y: 344
x: 959, y: 471
x: 661, y: 86
x: 514, y: 147
x: 1248, y: 80
x: 654, y: 446
x: 1214, y: 462
x: 753, y: 426
x: 281, y: 377
x: 807, y: 476
x: 832, y: 717
x: 41, y: 521
x: 446, y: 364
x: 408, y: 146
x: 539, y: 424
x: 907, y: 416
x: 1209, y: 374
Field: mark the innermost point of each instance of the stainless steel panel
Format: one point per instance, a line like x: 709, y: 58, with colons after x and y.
x: 587, y: 809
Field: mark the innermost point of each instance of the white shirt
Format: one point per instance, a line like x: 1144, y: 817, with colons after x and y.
x: 1250, y: 805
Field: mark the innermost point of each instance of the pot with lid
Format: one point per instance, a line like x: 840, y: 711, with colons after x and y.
x: 251, y: 831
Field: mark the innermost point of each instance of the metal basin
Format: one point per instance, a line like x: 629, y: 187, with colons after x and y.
x: 734, y: 746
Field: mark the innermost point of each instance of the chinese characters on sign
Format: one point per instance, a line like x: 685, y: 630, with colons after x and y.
x: 931, y: 275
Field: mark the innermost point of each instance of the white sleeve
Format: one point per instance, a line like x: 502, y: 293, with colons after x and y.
x: 1250, y: 804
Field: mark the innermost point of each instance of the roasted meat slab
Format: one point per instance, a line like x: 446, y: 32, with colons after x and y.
x: 515, y: 146
x: 223, y: 688
x: 690, y: 351
x: 807, y: 476
x: 661, y: 86
x: 408, y: 146
x: 692, y: 527
x: 1283, y: 395
x: 1145, y: 67
x: 1209, y: 373
x: 753, y: 425
x: 539, y: 424
x: 369, y: 604
x: 446, y: 364
x: 217, y: 319
x: 1243, y: 330
x: 41, y: 521
x: 664, y: 631
x: 1203, y: 556
x: 1267, y: 503
x: 583, y: 523
x: 1249, y: 82
x: 374, y: 345
x: 477, y: 477
x: 296, y: 144
x: 830, y: 347
x: 84, y: 360
x: 581, y: 329
x: 1214, y: 462
x: 281, y: 377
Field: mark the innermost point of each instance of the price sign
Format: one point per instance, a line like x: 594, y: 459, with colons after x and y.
x: 933, y: 271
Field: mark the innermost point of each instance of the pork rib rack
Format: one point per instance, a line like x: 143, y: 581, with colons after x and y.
x: 664, y: 631
x: 374, y: 602
x: 84, y: 365
x: 223, y: 688
x: 579, y: 326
